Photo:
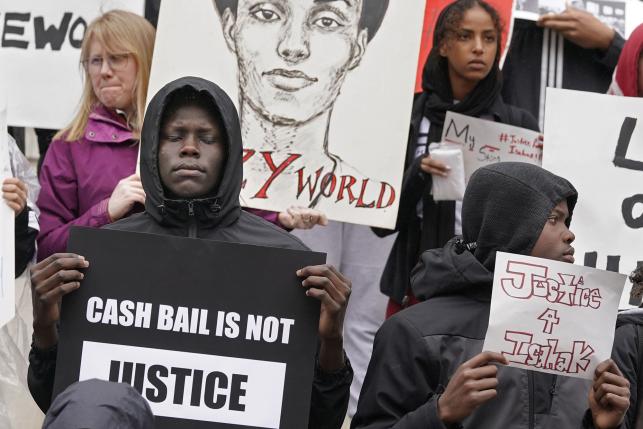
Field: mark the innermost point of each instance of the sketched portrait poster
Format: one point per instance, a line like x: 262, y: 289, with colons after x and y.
x: 505, y: 9
x: 324, y: 89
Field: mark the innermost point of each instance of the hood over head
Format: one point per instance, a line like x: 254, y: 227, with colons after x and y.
x: 222, y: 207
x: 506, y: 205
x: 505, y: 208
x: 99, y: 404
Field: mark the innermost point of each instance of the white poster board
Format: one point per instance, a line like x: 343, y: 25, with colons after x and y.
x: 7, y: 223
x: 552, y: 316
x: 325, y: 110
x: 486, y: 142
x: 40, y: 56
x: 594, y: 141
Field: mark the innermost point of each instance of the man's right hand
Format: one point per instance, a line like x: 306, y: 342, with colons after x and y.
x: 473, y: 384
x: 51, y: 279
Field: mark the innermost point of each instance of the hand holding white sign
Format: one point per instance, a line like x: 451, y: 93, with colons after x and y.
x: 14, y: 192
x: 609, y: 397
x: 552, y: 316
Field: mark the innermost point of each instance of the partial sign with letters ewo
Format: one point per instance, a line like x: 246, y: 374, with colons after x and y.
x: 213, y: 335
x: 552, y: 316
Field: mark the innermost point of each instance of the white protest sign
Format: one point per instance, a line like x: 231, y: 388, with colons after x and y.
x: 40, y: 56
x: 593, y: 140
x: 486, y: 142
x: 7, y: 224
x: 552, y: 316
x: 314, y: 131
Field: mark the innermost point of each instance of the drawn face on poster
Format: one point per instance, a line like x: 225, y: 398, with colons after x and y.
x: 293, y: 56
x: 324, y: 90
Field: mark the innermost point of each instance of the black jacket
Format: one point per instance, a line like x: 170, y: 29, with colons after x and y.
x: 25, y: 241
x: 216, y: 218
x: 535, y: 62
x: 415, y: 184
x: 417, y: 351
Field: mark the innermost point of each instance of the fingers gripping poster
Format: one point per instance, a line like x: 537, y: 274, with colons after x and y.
x: 323, y: 88
x: 212, y: 334
x: 552, y: 316
x: 594, y: 141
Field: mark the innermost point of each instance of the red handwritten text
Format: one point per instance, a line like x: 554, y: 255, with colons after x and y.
x: 547, y: 356
x: 530, y: 280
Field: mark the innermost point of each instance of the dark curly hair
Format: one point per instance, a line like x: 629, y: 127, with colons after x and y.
x: 451, y: 16
x: 373, y: 12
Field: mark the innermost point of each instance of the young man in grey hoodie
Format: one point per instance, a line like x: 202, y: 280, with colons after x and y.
x: 428, y: 369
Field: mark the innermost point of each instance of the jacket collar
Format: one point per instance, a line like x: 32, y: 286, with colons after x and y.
x: 106, y: 126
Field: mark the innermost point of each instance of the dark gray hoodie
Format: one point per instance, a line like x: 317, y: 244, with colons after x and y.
x: 417, y: 351
x: 99, y: 404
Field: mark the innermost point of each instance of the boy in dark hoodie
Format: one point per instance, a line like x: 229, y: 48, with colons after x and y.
x: 191, y: 169
x: 427, y: 369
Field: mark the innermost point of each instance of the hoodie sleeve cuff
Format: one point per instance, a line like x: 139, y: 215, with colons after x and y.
x: 609, y: 58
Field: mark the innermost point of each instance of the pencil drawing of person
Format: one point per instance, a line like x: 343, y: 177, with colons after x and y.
x: 293, y: 57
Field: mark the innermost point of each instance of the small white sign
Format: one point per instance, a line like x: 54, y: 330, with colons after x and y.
x: 7, y: 225
x: 486, y: 142
x: 551, y: 316
x: 193, y: 386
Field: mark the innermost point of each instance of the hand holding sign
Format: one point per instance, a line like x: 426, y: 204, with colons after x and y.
x: 51, y: 279
x: 609, y: 397
x: 579, y: 27
x: 14, y: 192
x: 328, y: 285
x: 473, y: 384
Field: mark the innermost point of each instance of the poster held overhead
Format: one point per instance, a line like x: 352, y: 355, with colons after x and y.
x: 552, y: 316
x: 315, y: 131
x: 592, y: 140
x: 177, y: 327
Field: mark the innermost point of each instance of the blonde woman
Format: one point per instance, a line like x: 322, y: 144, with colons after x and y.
x: 88, y: 175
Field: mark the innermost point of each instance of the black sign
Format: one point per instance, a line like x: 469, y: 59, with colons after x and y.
x: 219, y: 334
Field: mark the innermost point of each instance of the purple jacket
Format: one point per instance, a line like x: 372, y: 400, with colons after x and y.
x: 78, y: 177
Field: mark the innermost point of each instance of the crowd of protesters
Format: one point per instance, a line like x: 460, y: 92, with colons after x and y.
x: 427, y: 368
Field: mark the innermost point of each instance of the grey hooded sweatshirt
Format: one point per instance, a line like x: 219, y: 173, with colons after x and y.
x: 418, y: 350
x: 99, y: 404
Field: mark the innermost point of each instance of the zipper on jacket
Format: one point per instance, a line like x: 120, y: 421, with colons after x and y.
x: 531, y: 388
x: 192, y: 228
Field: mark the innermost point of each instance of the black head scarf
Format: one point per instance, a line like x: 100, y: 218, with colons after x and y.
x: 437, y: 86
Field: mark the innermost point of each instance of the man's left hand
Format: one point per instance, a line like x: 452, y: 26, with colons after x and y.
x: 609, y: 396
x: 14, y: 192
x: 579, y: 27
x: 328, y: 285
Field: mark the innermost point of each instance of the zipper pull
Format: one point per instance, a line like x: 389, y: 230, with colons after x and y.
x: 191, y: 208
